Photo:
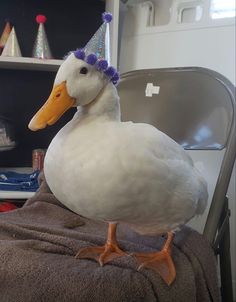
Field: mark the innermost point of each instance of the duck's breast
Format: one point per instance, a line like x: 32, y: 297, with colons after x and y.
x: 123, y: 172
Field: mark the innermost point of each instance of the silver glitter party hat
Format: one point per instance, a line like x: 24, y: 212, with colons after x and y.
x: 97, y: 50
x: 41, y: 47
x: 12, y: 49
x: 99, y: 44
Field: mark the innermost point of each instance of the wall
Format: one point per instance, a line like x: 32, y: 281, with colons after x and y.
x: 210, y: 43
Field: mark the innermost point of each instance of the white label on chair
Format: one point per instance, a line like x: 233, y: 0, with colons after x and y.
x: 150, y: 90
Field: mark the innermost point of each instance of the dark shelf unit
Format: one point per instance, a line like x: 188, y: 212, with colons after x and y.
x: 69, y: 26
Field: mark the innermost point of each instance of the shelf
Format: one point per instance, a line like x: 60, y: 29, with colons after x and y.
x: 23, y: 63
x: 16, y: 194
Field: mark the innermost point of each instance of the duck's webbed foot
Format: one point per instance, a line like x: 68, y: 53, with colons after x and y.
x: 106, y: 253
x: 161, y: 262
x: 102, y: 254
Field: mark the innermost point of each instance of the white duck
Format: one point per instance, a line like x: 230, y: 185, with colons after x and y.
x: 105, y: 169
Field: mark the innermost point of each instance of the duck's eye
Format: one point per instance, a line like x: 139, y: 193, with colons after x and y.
x: 83, y: 70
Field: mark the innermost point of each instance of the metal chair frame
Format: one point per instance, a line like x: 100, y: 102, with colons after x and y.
x: 217, y: 230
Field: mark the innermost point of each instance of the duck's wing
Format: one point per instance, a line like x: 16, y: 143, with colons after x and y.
x: 146, y: 136
x: 165, y: 153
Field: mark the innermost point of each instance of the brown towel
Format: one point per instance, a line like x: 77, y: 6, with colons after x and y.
x: 37, y: 247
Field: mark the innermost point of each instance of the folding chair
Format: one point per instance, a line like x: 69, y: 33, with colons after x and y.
x: 196, y: 107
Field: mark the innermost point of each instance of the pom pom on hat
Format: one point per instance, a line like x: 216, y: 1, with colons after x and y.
x: 110, y: 72
x: 91, y: 59
x: 41, y: 19
x: 115, y: 78
x: 107, y: 17
x: 79, y: 54
x: 102, y: 65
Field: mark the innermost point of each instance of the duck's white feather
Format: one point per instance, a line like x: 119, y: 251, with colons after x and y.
x: 124, y: 172
x: 105, y: 169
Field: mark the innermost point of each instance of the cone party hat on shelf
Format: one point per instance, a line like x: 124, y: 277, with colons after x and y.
x: 41, y: 48
x: 97, y: 51
x: 5, y: 35
x: 12, y: 48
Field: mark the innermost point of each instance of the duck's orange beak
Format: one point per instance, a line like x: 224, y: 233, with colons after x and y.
x: 58, y: 103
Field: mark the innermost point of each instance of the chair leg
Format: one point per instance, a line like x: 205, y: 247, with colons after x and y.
x: 225, y: 259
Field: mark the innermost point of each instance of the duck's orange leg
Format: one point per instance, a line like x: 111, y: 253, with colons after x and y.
x: 161, y: 262
x: 106, y: 253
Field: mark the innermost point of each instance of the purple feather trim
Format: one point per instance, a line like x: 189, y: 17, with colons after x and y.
x: 79, y: 54
x: 110, y: 72
x: 107, y: 17
x: 91, y: 59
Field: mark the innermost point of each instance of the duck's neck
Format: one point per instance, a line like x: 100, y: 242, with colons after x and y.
x: 106, y: 105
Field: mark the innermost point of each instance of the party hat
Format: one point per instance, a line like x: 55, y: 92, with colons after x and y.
x: 12, y: 48
x: 97, y: 51
x: 5, y: 35
x: 41, y: 47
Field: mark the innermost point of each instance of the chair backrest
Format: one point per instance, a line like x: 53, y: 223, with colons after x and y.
x: 196, y: 107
